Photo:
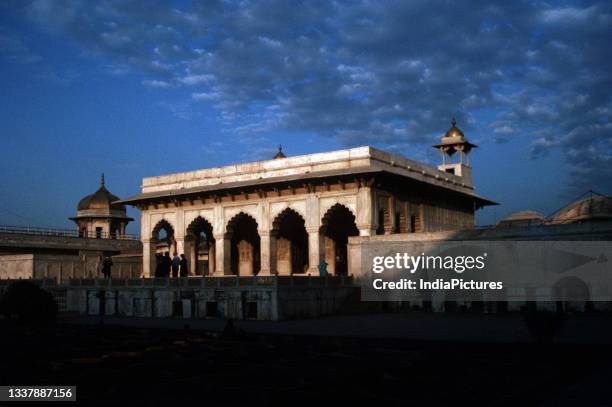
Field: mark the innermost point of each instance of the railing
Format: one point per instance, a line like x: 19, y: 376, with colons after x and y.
x: 36, y: 231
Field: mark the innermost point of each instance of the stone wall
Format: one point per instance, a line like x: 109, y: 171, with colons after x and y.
x: 30, y: 243
x: 20, y: 266
x: 64, y: 267
x: 261, y: 298
x: 593, y: 231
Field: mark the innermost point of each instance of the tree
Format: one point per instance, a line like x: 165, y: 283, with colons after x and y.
x: 28, y: 302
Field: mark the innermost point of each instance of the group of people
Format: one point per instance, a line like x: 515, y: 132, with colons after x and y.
x: 175, y: 267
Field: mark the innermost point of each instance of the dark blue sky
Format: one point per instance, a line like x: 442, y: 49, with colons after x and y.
x: 135, y: 88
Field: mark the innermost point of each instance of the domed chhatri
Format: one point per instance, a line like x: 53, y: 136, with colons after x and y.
x: 97, y: 215
x: 454, y: 141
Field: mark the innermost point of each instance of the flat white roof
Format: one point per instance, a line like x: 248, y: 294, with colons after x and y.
x: 359, y: 157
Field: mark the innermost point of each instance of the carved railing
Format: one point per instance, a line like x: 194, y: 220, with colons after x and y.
x: 37, y: 231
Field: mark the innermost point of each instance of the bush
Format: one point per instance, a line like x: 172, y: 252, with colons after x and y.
x: 28, y: 302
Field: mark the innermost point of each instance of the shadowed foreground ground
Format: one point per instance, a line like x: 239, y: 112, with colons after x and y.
x: 164, y: 367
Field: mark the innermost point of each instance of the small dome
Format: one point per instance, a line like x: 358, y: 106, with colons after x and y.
x: 97, y: 215
x: 596, y: 207
x: 101, y: 199
x: 454, y: 131
x: 522, y: 218
x: 454, y: 141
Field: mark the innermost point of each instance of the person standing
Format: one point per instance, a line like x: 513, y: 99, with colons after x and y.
x: 166, y: 264
x: 176, y: 263
x: 184, y: 267
x: 159, y: 264
x: 322, y: 268
x: 107, y: 264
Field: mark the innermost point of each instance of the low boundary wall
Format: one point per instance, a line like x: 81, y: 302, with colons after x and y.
x: 253, y: 297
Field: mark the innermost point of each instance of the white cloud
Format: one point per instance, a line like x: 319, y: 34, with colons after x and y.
x: 156, y: 84
x: 503, y: 130
x: 571, y: 14
x: 191, y: 80
x: 204, y: 96
x: 270, y: 42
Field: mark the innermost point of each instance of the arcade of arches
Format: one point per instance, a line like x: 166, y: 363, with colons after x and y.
x: 287, y: 248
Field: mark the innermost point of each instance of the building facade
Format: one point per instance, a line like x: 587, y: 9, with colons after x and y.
x: 288, y: 215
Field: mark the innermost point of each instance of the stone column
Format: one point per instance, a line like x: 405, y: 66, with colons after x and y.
x: 191, y: 254
x: 179, y: 232
x: 180, y: 246
x: 316, y: 250
x: 211, y: 259
x: 268, y: 253
x: 148, y: 258
x: 366, y: 212
x: 222, y: 256
x: 390, y: 229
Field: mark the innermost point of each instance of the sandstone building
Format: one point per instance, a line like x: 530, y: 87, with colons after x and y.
x: 58, y: 254
x: 286, y: 215
x: 262, y: 233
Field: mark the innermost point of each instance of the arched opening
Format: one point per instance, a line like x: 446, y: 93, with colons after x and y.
x: 244, y: 245
x: 200, y: 247
x: 163, y: 237
x: 337, y: 225
x: 291, y: 243
x: 163, y: 246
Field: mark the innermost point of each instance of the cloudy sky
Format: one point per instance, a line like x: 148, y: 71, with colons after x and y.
x: 140, y: 88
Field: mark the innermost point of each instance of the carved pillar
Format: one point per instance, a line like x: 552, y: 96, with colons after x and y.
x: 390, y: 225
x: 316, y: 250
x: 366, y: 211
x: 223, y: 255
x: 191, y: 252
x: 179, y: 246
x: 211, y: 259
x: 268, y: 253
x: 179, y: 232
x: 148, y: 258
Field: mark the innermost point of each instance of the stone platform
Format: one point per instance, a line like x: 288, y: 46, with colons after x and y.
x: 254, y: 297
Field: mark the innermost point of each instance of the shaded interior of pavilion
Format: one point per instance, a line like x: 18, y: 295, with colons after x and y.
x: 289, y: 244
